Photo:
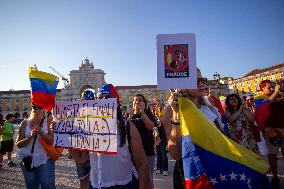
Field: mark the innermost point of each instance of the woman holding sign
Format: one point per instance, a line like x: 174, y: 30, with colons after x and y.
x: 117, y: 171
x: 37, y: 167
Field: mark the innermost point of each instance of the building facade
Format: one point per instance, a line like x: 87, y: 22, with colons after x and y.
x: 86, y: 77
x: 150, y: 92
x: 250, y: 82
x: 18, y: 102
x: 219, y: 87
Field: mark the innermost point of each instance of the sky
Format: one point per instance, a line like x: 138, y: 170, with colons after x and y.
x: 233, y: 37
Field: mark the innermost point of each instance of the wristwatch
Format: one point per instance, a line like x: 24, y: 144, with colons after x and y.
x: 175, y: 122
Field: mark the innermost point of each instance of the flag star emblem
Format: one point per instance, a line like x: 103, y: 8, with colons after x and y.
x: 249, y: 186
x: 213, y: 181
x: 233, y: 176
x: 243, y: 177
x: 222, y: 177
x: 249, y: 181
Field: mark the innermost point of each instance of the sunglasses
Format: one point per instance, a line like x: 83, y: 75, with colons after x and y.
x: 36, y: 107
x: 202, y: 80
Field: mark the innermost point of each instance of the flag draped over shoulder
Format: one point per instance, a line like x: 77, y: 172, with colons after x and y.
x: 262, y: 109
x: 211, y: 160
x: 43, y: 88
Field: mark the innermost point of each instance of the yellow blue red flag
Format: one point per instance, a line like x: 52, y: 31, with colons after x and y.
x: 43, y: 88
x: 262, y: 111
x: 211, y: 160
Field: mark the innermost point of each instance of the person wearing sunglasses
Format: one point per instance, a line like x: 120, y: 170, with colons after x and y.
x: 172, y: 124
x: 37, y: 126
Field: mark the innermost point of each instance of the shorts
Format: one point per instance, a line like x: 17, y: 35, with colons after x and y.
x: 83, y: 169
x: 6, y: 146
x: 272, y: 149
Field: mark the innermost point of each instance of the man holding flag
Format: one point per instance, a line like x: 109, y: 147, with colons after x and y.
x: 210, y: 159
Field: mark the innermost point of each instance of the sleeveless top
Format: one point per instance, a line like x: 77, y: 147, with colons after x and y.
x: 146, y: 135
x: 112, y: 169
x: 242, y: 133
x: 39, y: 156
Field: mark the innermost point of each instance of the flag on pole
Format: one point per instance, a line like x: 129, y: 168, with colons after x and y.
x: 211, y: 160
x: 43, y: 88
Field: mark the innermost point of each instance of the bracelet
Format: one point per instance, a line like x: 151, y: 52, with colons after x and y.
x: 175, y: 122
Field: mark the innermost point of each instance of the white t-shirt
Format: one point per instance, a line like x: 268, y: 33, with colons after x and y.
x: 209, y: 114
x: 112, y: 169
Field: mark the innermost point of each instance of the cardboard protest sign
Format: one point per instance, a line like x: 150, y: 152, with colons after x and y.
x: 176, y: 66
x: 87, y: 124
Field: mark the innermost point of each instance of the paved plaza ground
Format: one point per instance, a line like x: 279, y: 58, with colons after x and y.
x: 66, y: 177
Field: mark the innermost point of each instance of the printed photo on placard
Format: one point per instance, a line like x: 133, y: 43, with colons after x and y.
x: 176, y: 61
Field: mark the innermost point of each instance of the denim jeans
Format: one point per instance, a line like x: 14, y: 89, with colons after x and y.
x: 162, y: 156
x: 131, y: 185
x: 151, y: 165
x: 43, y: 176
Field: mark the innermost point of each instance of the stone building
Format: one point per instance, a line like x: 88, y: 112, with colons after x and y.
x: 150, y: 92
x: 83, y: 78
x: 250, y: 82
x: 19, y: 102
x: 86, y: 77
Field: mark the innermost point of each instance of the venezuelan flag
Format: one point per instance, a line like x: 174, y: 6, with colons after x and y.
x: 262, y: 109
x: 43, y: 88
x: 211, y: 160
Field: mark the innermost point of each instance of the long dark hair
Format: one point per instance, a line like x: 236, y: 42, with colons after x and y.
x: 147, y: 109
x: 121, y: 127
x: 229, y: 107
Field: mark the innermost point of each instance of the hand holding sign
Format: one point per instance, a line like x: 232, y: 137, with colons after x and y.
x: 89, y: 125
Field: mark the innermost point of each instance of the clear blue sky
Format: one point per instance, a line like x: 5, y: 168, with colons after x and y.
x: 119, y: 36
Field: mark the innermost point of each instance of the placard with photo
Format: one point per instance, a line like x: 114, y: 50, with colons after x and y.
x: 176, y: 67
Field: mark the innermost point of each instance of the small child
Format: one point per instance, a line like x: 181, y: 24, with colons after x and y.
x: 6, y: 139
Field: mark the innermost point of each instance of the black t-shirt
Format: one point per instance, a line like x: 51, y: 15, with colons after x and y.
x: 161, y: 130
x: 145, y: 134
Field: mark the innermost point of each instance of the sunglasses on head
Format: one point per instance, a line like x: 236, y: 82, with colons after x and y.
x: 202, y: 80
x: 36, y: 107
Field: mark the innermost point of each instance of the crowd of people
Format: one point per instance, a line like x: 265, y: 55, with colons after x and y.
x: 146, y: 133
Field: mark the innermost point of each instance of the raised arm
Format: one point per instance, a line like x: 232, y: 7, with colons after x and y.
x: 139, y: 157
x: 249, y: 115
x: 232, y: 117
x: 49, y: 137
x: 148, y: 122
x: 275, y: 93
x: 172, y: 127
x: 21, y: 140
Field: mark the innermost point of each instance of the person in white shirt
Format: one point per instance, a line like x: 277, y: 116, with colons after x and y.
x: 125, y: 169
